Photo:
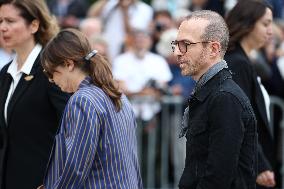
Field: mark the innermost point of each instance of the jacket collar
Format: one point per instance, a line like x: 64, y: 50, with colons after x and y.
x: 28, y: 64
x: 211, y: 84
x: 210, y: 73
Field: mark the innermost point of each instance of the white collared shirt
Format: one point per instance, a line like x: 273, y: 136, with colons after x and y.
x: 17, y: 74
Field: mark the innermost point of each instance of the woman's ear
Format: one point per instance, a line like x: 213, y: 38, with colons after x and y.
x: 69, y: 64
x: 34, y: 26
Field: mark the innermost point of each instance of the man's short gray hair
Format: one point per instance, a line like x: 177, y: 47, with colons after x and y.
x: 216, y: 30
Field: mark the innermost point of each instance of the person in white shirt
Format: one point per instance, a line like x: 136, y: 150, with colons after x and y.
x: 141, y: 73
x: 119, y: 18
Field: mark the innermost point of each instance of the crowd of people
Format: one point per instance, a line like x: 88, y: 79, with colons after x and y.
x: 67, y: 65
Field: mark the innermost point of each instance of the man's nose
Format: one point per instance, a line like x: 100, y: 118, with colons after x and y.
x: 177, y: 51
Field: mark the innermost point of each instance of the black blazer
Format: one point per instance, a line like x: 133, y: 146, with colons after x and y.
x: 245, y: 76
x: 33, y: 117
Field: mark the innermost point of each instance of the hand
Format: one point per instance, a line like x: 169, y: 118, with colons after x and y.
x: 41, y: 187
x: 266, y: 178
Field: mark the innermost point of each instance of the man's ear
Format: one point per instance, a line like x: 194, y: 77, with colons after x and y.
x: 215, y: 49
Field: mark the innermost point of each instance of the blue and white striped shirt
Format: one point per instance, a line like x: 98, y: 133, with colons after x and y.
x: 96, y: 146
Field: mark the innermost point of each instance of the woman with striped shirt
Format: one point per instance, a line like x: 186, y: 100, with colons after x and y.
x: 96, y: 144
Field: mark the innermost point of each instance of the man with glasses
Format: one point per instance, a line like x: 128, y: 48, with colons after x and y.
x: 219, y: 123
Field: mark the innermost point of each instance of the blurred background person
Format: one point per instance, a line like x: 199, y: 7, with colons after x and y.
x: 68, y: 12
x: 91, y: 26
x: 250, y: 27
x: 162, y: 21
x: 119, y: 17
x: 30, y: 106
x: 141, y: 73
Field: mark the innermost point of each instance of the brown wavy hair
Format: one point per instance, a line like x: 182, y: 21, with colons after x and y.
x: 242, y: 19
x: 32, y: 10
x: 71, y: 44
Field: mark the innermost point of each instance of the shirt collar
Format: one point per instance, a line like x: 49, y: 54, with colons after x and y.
x: 210, y: 73
x: 213, y: 76
x: 28, y: 64
x: 85, y: 82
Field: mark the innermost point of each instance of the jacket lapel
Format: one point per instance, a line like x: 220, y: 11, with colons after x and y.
x: 24, y: 83
x: 260, y: 103
x: 5, y: 86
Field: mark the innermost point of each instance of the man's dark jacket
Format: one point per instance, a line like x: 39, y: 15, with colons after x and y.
x: 221, y: 147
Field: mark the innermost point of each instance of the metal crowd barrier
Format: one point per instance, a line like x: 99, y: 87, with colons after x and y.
x: 161, y: 148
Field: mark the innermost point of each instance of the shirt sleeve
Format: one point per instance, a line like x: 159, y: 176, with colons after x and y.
x: 83, y: 124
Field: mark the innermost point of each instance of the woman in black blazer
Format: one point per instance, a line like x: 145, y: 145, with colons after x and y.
x: 250, y: 27
x: 30, y: 106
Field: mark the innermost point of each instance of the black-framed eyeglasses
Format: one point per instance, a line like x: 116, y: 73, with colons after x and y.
x: 183, y: 44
